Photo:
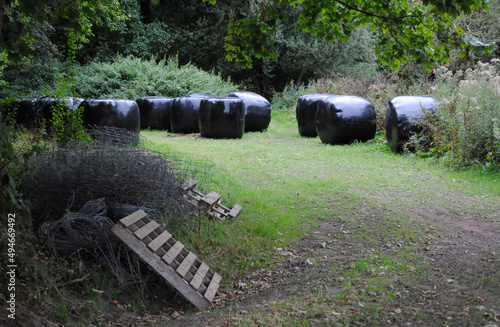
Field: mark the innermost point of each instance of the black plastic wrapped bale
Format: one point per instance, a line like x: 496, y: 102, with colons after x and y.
x: 402, y: 117
x: 185, y: 112
x: 257, y: 111
x: 118, y: 113
x: 306, y: 113
x: 155, y: 112
x: 9, y: 109
x: 46, y: 105
x: 28, y: 113
x: 343, y: 119
x: 222, y: 118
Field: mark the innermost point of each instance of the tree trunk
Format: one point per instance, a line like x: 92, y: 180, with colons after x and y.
x: 301, y: 74
x: 145, y: 11
x: 2, y: 4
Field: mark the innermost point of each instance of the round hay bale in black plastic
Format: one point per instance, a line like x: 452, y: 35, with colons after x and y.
x: 222, y: 118
x: 402, y: 117
x: 343, y: 119
x: 155, y: 112
x: 307, y: 106
x: 257, y: 110
x: 9, y: 109
x: 28, y: 113
x: 46, y: 106
x: 185, y: 112
x: 118, y: 113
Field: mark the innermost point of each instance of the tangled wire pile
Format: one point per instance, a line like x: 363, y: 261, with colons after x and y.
x: 66, y: 178
x: 113, y: 136
x: 108, y: 180
x: 87, y: 233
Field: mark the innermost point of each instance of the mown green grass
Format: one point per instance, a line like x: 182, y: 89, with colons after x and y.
x: 287, y: 183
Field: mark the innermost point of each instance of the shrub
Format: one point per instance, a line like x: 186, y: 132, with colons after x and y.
x: 132, y: 78
x: 467, y: 129
x: 33, y: 79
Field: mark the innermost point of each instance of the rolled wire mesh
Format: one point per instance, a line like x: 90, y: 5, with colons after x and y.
x: 86, y: 234
x: 93, y: 186
x: 68, y: 177
x: 112, y: 135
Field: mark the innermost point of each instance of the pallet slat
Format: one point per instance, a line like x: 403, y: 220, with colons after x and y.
x: 159, y: 241
x: 186, y: 264
x: 235, y: 211
x: 173, y: 252
x: 146, y: 229
x: 189, y: 185
x: 212, y: 287
x: 199, y: 276
x: 210, y: 199
x: 133, y: 218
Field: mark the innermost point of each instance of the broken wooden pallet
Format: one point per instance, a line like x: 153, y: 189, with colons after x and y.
x: 179, y: 267
x: 211, y: 203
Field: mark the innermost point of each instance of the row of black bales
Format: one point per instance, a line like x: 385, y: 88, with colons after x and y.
x: 343, y: 119
x: 212, y: 117
x: 218, y: 117
x: 336, y: 119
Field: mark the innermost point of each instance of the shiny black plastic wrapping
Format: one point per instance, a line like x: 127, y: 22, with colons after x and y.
x: 119, y: 113
x: 402, y: 117
x: 28, y: 112
x: 45, y: 106
x: 222, y: 118
x: 257, y: 110
x: 306, y: 113
x: 31, y: 112
x: 185, y: 112
x: 343, y: 119
x: 155, y: 112
x: 9, y: 109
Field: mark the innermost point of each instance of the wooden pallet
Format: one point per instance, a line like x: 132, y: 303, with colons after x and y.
x: 179, y: 267
x: 211, y: 203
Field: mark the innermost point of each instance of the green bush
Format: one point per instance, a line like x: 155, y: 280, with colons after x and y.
x: 466, y: 130
x: 131, y: 78
x: 66, y: 125
x: 32, y: 79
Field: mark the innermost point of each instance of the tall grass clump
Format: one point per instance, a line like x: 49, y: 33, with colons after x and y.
x: 130, y: 78
x: 287, y: 100
x: 466, y: 129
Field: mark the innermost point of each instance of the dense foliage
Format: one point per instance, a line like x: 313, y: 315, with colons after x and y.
x: 423, y: 32
x: 122, y: 48
x: 131, y: 78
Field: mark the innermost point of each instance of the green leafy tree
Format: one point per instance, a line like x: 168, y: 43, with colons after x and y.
x: 418, y: 31
x: 21, y: 20
x: 136, y: 36
x: 24, y: 25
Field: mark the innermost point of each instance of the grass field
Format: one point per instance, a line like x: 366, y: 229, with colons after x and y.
x: 379, y: 214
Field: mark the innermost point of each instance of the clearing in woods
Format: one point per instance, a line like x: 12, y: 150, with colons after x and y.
x: 391, y: 240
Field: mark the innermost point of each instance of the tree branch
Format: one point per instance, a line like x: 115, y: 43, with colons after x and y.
x: 367, y: 13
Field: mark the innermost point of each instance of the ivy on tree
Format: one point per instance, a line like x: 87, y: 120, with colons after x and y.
x: 420, y: 31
